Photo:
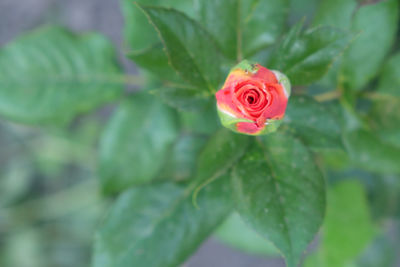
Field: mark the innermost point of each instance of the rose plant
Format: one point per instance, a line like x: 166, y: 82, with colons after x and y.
x: 311, y: 107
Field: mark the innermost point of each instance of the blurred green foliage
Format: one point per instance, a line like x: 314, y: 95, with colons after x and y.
x: 49, y: 200
x: 152, y: 176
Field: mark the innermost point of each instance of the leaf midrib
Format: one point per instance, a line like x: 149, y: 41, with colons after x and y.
x: 186, y: 50
x: 276, y: 186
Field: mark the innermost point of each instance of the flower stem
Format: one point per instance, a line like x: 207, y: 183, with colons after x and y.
x: 328, y: 96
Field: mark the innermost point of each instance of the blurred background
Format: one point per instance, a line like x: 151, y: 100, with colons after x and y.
x: 50, y: 203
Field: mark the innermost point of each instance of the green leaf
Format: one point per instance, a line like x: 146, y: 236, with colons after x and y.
x: 348, y: 228
x: 373, y: 43
x: 51, y: 75
x: 300, y: 9
x: 223, y: 149
x: 384, y: 119
x: 335, y: 159
x: 205, y: 122
x: 221, y: 19
x: 158, y: 225
x: 371, y: 153
x: 242, y: 28
x: 373, y: 40
x: 257, y: 30
x: 315, y: 123
x: 190, y: 49
x: 337, y: 13
x: 155, y: 61
x: 280, y: 192
x: 182, y: 158
x: 185, y: 99
x: 141, y: 40
x: 138, y: 32
x: 306, y: 56
x: 136, y: 142
x: 234, y: 232
x: 389, y: 82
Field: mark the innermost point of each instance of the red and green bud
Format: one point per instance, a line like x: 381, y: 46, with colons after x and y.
x: 253, y: 99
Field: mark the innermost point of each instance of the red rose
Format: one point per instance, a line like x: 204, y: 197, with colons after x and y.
x: 253, y: 99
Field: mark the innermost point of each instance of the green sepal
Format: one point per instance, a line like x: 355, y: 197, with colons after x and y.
x: 284, y: 81
x: 229, y: 121
x: 246, y: 66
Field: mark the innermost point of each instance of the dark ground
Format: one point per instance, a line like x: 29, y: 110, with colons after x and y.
x: 18, y: 16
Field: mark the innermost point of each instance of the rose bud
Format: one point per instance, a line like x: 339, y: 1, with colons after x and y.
x: 253, y: 99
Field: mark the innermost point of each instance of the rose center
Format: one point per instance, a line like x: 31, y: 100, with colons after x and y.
x: 253, y: 98
x: 250, y: 99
